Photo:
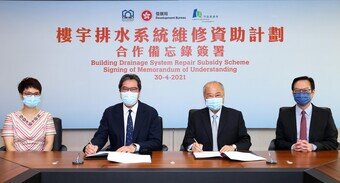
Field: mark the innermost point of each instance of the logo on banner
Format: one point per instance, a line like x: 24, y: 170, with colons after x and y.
x: 128, y: 15
x: 199, y: 15
x: 146, y: 15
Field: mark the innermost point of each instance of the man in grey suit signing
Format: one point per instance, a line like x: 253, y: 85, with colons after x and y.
x: 215, y: 127
x: 305, y: 127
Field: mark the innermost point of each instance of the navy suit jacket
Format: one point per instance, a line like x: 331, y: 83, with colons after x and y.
x: 147, y: 130
x: 231, y: 130
x: 322, y: 130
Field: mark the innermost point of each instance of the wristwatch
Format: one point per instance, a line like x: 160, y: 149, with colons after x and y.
x: 235, y: 147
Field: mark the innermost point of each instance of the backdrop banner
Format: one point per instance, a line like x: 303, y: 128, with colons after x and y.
x: 79, y: 50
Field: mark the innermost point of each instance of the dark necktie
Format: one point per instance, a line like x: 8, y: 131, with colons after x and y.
x: 303, y: 126
x: 129, y: 130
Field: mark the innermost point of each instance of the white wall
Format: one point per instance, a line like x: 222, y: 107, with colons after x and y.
x: 76, y: 139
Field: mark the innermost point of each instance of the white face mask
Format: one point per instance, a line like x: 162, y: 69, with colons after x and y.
x: 129, y: 98
x: 214, y: 104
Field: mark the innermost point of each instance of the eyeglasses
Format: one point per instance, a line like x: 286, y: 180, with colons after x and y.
x: 306, y: 90
x: 126, y: 89
x: 217, y: 95
x: 30, y: 94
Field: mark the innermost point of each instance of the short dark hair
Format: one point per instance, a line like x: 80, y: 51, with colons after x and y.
x: 130, y: 77
x: 311, y: 81
x: 29, y: 82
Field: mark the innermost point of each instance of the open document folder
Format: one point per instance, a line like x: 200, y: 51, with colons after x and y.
x: 120, y: 157
x: 233, y: 155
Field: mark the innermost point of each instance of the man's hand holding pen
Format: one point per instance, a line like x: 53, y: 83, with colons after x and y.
x: 91, y: 149
x: 196, y: 147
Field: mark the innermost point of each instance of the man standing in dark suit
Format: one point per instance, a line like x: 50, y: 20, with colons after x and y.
x: 216, y: 128
x: 131, y: 126
x: 305, y: 127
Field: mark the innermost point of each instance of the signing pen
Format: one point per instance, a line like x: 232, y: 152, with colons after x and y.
x: 198, y: 144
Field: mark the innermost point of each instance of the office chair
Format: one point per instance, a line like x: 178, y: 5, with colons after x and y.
x: 57, y: 143
x: 272, y: 145
x: 164, y: 147
x: 191, y: 111
x: 181, y: 148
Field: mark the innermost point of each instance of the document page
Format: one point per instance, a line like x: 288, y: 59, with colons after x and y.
x: 242, y: 156
x: 98, y: 154
x: 207, y: 154
x: 128, y: 157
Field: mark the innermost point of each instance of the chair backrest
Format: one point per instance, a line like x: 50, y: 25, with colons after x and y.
x: 272, y: 145
x: 160, y: 119
x: 164, y: 147
x: 58, y: 137
x: 181, y: 148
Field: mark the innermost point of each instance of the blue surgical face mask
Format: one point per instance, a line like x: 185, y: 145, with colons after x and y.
x: 129, y: 98
x: 214, y: 104
x: 31, y: 100
x: 302, y: 98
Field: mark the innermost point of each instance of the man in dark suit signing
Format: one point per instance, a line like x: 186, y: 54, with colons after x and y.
x: 305, y: 127
x: 130, y: 126
x: 216, y: 128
